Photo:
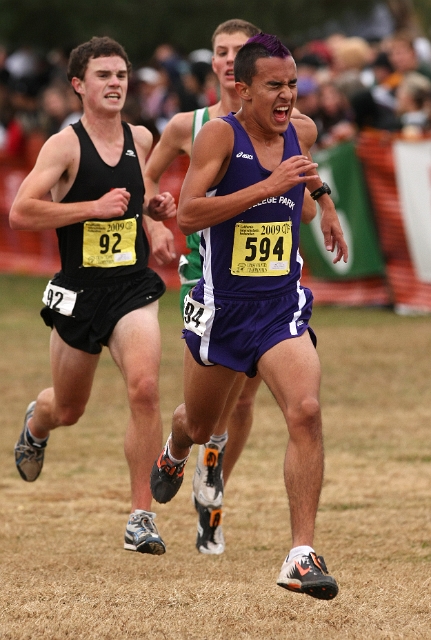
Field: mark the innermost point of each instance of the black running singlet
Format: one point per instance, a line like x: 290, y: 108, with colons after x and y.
x: 101, y: 249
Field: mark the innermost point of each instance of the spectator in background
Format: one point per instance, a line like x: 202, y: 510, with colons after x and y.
x: 22, y: 63
x: 200, y: 83
x: 350, y: 57
x: 334, y: 117
x: 158, y: 101
x: 375, y: 106
x: 4, y: 73
x: 151, y: 90
x: 403, y: 56
x: 165, y: 56
x: 12, y: 138
x: 74, y: 108
x: 24, y: 94
x: 57, y: 59
x: 307, y: 101
x: 54, y: 107
x: 413, y: 104
x: 201, y: 67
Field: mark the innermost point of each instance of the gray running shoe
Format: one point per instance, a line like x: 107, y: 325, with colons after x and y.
x: 208, y: 477
x: 210, y: 539
x: 142, y: 535
x: 29, y: 454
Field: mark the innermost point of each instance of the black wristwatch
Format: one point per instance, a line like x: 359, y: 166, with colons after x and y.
x: 320, y: 191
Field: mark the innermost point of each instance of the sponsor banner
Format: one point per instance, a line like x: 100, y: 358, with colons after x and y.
x: 341, y: 169
x: 413, y: 177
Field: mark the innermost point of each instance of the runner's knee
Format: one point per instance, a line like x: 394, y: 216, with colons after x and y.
x: 305, y: 417
x: 69, y: 415
x: 144, y: 393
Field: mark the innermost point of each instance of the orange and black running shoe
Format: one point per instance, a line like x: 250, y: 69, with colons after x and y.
x: 166, y: 478
x: 308, y: 574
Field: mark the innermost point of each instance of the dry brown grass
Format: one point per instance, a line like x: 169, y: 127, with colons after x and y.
x: 66, y: 575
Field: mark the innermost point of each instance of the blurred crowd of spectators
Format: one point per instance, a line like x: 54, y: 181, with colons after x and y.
x: 345, y: 84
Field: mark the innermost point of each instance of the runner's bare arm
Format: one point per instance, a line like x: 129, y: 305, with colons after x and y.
x: 57, y: 161
x: 330, y: 224
x: 161, y: 206
x: 175, y: 139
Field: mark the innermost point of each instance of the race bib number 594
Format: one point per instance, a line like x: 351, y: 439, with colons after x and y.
x: 262, y: 249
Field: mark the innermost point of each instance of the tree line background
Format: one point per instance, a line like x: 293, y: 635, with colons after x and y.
x: 141, y: 25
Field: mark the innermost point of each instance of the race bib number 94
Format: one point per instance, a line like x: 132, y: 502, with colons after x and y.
x: 262, y: 249
x: 196, y: 316
x: 109, y: 244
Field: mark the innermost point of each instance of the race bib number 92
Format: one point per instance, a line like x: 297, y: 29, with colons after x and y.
x: 109, y: 244
x: 59, y: 299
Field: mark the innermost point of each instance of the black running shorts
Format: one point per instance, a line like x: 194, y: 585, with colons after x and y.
x: 98, y: 308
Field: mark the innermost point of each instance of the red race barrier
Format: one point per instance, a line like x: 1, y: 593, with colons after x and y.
x: 375, y: 149
x: 36, y: 253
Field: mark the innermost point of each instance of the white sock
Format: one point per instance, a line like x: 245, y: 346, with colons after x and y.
x: 220, y: 441
x: 34, y: 439
x: 171, y: 457
x: 139, y: 511
x: 304, y: 550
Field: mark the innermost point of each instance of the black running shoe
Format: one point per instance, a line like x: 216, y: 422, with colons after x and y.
x: 210, y: 539
x: 166, y: 478
x: 308, y: 574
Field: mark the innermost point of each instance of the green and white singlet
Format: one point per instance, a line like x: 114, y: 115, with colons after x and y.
x: 190, y: 268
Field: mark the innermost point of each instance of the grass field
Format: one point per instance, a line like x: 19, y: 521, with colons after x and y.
x: 65, y: 573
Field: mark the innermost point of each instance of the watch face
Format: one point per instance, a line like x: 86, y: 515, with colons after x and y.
x: 320, y: 191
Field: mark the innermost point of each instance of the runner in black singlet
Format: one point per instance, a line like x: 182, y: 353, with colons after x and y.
x: 105, y: 294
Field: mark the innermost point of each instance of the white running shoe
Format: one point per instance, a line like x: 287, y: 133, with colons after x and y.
x: 210, y: 539
x: 208, y: 477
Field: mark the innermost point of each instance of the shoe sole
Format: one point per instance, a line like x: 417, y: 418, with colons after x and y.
x: 24, y: 477
x: 153, y: 548
x: 217, y: 551
x: 321, y: 590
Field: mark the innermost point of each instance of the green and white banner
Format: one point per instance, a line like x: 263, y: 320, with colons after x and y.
x: 341, y: 169
x: 413, y: 176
